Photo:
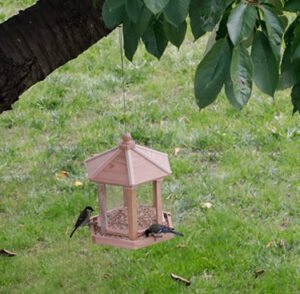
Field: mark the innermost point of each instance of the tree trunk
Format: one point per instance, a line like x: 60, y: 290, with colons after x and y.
x: 43, y: 37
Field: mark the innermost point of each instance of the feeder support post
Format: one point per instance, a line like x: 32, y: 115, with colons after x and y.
x: 125, y: 204
x: 131, y: 202
x: 102, y: 208
x: 157, y: 200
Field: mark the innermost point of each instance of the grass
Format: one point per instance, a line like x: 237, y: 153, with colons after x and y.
x: 246, y: 164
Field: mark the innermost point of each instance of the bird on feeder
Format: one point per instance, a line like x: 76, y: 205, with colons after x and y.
x: 156, y: 229
x: 83, y: 219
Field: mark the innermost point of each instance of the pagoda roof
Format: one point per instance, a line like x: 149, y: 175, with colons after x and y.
x: 128, y: 164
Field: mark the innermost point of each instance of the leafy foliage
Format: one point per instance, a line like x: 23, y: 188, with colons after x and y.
x: 290, y: 69
x: 292, y: 5
x: 211, y: 73
x: 245, y: 45
x: 296, y: 97
x: 241, y: 22
x: 239, y: 84
x: 265, y: 64
x: 274, y: 28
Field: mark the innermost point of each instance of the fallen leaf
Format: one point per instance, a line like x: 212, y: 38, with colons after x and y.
x: 78, y: 183
x: 270, y: 244
x: 283, y: 226
x: 107, y: 276
x: 62, y: 174
x: 5, y: 252
x: 206, y: 276
x: 183, y: 119
x: 282, y: 243
x: 176, y: 151
x: 163, y: 122
x: 206, y: 205
x: 258, y: 272
x: 84, y: 251
x: 180, y: 279
x: 180, y: 245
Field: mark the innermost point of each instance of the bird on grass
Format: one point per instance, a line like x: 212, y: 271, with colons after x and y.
x: 156, y: 229
x: 83, y: 219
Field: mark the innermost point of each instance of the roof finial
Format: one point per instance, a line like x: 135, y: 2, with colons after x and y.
x: 126, y: 138
x: 127, y: 142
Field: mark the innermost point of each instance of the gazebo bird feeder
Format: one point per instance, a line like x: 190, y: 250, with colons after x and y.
x: 128, y: 165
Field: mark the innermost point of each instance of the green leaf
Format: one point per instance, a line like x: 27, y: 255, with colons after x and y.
x: 205, y: 15
x: 156, y: 6
x: 211, y: 40
x: 175, y: 34
x: 155, y: 39
x: 196, y: 26
x: 296, y: 98
x: 227, y: 3
x: 284, y: 20
x: 144, y: 20
x: 247, y: 43
x: 113, y: 17
x: 96, y: 3
x: 241, y: 73
x: 289, y: 34
x: 133, y: 9
x: 241, y: 22
x: 290, y: 71
x: 276, y: 4
x: 275, y: 29
x: 131, y: 38
x: 292, y: 5
x: 211, y: 73
x: 230, y: 94
x: 295, y: 49
x: 221, y: 29
x: 113, y: 4
x: 265, y: 65
x: 176, y: 11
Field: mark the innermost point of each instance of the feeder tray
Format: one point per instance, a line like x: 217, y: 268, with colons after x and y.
x: 119, y: 237
x: 128, y: 165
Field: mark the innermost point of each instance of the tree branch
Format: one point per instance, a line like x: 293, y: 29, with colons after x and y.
x: 42, y: 38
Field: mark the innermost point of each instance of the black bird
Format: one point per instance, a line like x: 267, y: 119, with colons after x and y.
x: 83, y: 219
x: 158, y: 229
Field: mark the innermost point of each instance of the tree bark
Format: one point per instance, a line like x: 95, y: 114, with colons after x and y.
x: 43, y: 37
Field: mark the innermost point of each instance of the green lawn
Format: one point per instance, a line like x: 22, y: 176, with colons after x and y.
x: 247, y: 164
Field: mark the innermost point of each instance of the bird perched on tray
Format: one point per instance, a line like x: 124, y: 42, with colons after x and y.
x: 83, y: 219
x: 156, y: 229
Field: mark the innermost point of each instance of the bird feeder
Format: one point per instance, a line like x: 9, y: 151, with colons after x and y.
x: 128, y: 165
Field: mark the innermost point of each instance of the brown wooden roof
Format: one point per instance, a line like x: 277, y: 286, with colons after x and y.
x: 128, y: 164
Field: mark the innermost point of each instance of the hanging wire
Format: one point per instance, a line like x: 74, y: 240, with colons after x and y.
x: 121, y: 43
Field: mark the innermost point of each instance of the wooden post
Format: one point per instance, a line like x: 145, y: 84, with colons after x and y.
x: 157, y: 200
x: 102, y: 208
x: 125, y: 204
x: 130, y: 195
